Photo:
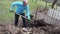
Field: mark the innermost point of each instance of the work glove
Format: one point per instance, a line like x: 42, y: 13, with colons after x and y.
x: 29, y: 20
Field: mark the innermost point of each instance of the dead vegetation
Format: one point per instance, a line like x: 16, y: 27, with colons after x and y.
x: 37, y: 27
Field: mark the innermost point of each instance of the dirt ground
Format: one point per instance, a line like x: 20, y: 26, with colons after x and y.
x: 34, y: 27
x: 38, y: 27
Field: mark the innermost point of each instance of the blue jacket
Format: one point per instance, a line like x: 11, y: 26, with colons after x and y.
x: 20, y: 8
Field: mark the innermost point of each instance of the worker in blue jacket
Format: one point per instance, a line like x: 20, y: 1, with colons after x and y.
x: 20, y: 7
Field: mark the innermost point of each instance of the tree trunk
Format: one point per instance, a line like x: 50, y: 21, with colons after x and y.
x: 55, y: 1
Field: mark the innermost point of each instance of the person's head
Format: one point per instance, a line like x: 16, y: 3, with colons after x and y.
x: 25, y: 2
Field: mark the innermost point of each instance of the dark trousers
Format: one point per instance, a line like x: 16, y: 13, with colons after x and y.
x: 17, y: 18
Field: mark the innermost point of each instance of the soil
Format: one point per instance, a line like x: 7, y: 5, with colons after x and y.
x: 38, y: 26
